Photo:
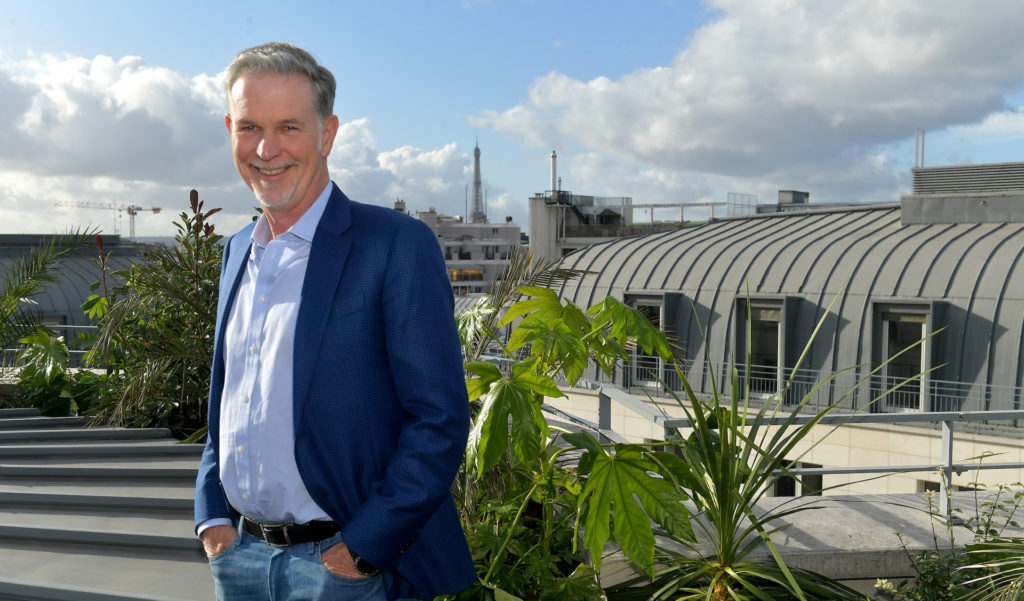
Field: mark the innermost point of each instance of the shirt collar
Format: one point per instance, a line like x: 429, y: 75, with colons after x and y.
x: 304, y: 228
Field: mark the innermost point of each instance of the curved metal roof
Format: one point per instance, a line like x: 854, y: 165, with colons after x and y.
x: 75, y: 274
x: 974, y: 271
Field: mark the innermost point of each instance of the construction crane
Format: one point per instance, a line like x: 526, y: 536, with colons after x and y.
x: 132, y: 211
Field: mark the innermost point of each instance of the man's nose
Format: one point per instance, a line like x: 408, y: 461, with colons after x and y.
x: 268, y: 147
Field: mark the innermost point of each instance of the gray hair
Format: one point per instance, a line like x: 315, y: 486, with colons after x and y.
x: 285, y: 59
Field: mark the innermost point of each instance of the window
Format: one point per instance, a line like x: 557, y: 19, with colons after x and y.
x: 647, y: 370
x: 902, y: 349
x: 456, y: 274
x: 804, y: 485
x: 766, y: 356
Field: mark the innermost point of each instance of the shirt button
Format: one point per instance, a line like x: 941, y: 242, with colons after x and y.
x: 245, y: 497
x: 241, y: 449
x: 262, y: 299
x: 252, y: 348
x: 245, y: 398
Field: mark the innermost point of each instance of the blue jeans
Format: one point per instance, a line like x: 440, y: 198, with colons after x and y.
x: 252, y: 570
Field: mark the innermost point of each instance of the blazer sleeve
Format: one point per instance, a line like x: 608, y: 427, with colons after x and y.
x: 425, y: 360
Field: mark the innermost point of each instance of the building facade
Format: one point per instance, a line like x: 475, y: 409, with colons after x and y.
x: 475, y: 253
x: 931, y: 287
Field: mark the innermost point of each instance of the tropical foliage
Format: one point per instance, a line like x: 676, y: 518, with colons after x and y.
x: 156, y: 330
x: 732, y: 456
x: 522, y: 502
x: 538, y: 525
x: 46, y: 382
x: 26, y: 277
x: 989, y: 568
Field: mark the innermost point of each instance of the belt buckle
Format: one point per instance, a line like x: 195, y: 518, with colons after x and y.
x: 266, y: 528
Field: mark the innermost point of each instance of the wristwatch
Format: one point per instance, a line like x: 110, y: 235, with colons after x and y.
x: 362, y: 566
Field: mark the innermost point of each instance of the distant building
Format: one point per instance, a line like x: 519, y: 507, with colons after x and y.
x: 945, y: 265
x: 562, y: 222
x: 475, y: 253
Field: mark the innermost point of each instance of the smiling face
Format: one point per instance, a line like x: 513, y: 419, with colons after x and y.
x: 280, y: 145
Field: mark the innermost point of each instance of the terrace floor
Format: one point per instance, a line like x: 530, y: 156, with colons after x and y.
x: 102, y: 513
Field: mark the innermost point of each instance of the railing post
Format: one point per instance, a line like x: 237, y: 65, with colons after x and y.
x: 604, y: 412
x: 946, y: 482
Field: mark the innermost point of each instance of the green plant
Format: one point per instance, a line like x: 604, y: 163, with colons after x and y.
x: 156, y: 330
x: 987, y: 569
x: 724, y: 466
x: 992, y: 566
x: 1002, y: 564
x: 25, y: 278
x: 731, y: 458
x: 521, y: 505
x: 45, y: 382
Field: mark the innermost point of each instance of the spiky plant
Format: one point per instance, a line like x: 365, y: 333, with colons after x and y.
x: 26, y: 278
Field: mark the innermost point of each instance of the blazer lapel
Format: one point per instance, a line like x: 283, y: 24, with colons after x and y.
x: 327, y: 256
x: 238, y: 253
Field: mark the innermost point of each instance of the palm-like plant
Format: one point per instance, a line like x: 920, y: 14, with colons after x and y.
x: 731, y: 460
x: 26, y: 278
x: 1003, y: 564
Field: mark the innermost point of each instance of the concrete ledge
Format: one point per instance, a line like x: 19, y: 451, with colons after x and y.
x: 20, y: 590
x: 63, y: 536
x: 8, y: 436
x: 38, y: 499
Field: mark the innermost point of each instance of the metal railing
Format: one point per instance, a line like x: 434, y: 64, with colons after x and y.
x: 852, y: 390
x: 946, y: 420
x: 8, y: 356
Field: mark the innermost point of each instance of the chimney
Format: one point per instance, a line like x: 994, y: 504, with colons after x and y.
x: 554, y: 173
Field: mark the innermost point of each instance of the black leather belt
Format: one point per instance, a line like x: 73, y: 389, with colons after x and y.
x: 286, y: 535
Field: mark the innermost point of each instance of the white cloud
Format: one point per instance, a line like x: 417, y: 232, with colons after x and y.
x: 105, y: 131
x: 423, y: 178
x: 123, y: 119
x: 774, y: 89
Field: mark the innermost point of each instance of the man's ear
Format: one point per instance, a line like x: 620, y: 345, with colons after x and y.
x: 330, y: 131
x: 227, y: 121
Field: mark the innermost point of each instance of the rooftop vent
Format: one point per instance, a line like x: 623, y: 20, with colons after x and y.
x: 999, y: 177
x: 989, y: 193
x: 794, y: 197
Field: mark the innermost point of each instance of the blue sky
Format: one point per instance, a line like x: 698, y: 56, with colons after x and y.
x: 118, y: 102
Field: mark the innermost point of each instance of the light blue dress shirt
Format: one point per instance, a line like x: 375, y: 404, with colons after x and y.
x: 257, y: 459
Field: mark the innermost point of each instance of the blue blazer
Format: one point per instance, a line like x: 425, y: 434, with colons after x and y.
x: 380, y: 409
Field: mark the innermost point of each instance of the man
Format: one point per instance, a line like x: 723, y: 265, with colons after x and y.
x: 338, y: 411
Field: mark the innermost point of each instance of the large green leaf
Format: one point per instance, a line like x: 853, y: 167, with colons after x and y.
x: 547, y: 307
x: 545, y: 301
x: 581, y: 585
x: 557, y: 346
x: 45, y: 357
x: 621, y: 497
x: 625, y: 323
x: 488, y: 373
x: 517, y: 396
